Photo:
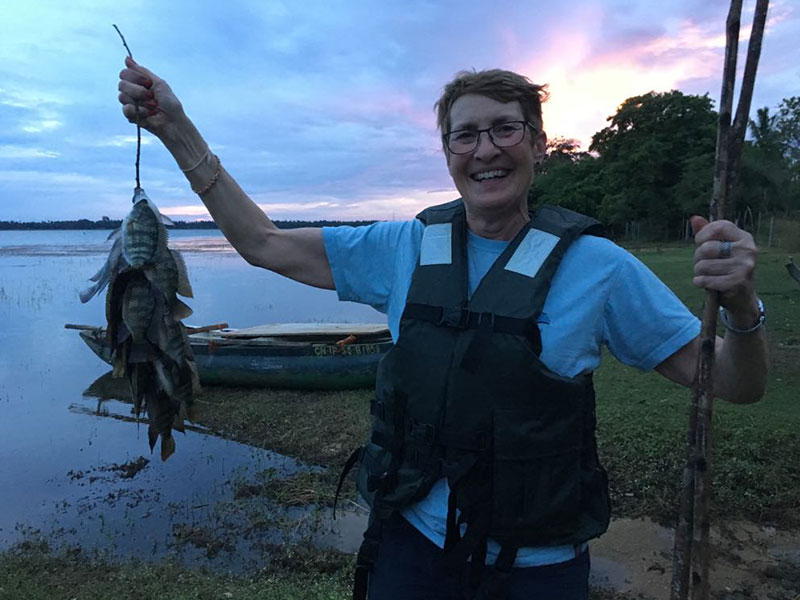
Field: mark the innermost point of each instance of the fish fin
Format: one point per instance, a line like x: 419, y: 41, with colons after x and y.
x: 133, y: 381
x: 152, y: 437
x: 196, y: 387
x: 177, y: 422
x: 190, y: 412
x: 187, y: 346
x: 99, y: 275
x: 164, y: 378
x: 166, y: 220
x: 112, y: 262
x: 167, y: 446
x: 163, y: 234
x: 115, y: 235
x: 88, y: 293
x: 107, y: 272
x: 180, y: 310
x: 184, y: 287
x: 119, y: 361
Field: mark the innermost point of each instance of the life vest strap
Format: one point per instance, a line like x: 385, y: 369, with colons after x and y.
x: 366, y: 557
x: 477, y: 565
x: 463, y: 318
x: 348, y: 465
x: 496, y: 581
x: 477, y: 531
x: 485, y: 322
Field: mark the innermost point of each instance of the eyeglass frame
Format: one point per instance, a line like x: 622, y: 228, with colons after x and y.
x: 488, y: 131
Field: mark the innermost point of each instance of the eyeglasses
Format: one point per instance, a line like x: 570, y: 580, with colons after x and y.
x: 464, y: 141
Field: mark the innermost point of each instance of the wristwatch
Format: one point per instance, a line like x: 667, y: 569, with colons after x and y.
x: 762, y: 319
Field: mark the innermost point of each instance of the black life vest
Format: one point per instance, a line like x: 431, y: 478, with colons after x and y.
x: 464, y: 395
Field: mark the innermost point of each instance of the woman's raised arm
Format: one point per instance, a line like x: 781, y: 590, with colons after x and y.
x: 296, y: 253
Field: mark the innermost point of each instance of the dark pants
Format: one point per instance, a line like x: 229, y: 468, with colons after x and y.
x: 411, y: 567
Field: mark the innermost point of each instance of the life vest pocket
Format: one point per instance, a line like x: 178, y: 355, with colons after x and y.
x: 374, y: 462
x: 398, y: 487
x: 536, y: 476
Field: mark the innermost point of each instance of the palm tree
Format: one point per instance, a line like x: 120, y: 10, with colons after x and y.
x: 765, y: 134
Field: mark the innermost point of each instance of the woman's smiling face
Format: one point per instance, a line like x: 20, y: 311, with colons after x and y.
x: 492, y: 181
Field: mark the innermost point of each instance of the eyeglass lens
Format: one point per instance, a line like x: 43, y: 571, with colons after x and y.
x: 502, y: 136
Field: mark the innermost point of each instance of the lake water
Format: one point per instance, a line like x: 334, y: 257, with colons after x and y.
x: 57, y: 455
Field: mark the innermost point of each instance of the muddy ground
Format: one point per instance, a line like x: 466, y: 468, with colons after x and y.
x: 749, y: 561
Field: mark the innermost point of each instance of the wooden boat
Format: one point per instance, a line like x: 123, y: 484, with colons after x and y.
x: 319, y: 356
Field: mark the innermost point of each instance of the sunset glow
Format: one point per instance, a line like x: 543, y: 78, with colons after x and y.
x: 323, y: 113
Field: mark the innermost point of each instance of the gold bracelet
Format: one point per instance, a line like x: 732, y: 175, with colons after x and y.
x: 213, y: 180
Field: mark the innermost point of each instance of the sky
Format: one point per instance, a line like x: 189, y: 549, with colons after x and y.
x: 324, y: 109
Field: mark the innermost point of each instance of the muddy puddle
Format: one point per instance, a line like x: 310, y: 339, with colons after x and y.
x: 207, y: 508
x: 141, y: 507
x: 748, y: 561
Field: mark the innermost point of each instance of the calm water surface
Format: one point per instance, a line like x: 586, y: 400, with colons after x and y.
x: 56, y: 453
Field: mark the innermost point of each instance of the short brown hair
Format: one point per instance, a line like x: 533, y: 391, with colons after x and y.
x: 497, y: 84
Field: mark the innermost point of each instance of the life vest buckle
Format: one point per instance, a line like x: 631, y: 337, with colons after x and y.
x: 486, y: 320
x: 454, y: 317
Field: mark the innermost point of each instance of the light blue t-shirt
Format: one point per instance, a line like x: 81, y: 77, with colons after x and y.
x: 600, y: 295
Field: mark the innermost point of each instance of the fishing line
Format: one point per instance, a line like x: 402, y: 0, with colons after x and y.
x: 138, y: 126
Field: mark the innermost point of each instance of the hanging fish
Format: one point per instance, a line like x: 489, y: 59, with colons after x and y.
x: 148, y: 341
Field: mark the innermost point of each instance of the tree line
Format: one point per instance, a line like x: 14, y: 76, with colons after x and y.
x: 647, y: 171
x: 653, y: 166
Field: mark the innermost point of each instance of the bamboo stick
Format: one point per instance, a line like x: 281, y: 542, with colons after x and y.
x: 703, y: 479
x: 204, y: 328
x: 684, y: 534
x: 81, y: 327
x: 691, y: 558
x: 189, y: 330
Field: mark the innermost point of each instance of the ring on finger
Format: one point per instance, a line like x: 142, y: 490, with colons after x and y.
x: 725, y: 249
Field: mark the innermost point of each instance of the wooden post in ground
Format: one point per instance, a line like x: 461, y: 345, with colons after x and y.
x: 771, y: 229
x: 691, y: 556
x: 758, y: 227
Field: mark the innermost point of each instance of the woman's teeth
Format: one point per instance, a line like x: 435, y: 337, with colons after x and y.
x: 489, y: 175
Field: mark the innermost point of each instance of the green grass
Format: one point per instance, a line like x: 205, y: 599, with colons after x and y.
x: 642, y: 419
x: 321, y: 428
x: 32, y: 572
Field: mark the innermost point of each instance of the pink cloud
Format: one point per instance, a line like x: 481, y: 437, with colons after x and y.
x: 587, y: 84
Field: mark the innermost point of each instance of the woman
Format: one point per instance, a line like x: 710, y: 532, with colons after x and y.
x: 483, y: 436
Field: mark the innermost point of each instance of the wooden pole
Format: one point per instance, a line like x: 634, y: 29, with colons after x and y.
x: 684, y: 533
x: 691, y: 556
x: 758, y: 227
x: 771, y: 229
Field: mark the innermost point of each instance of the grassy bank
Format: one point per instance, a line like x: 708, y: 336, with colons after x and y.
x: 32, y: 572
x: 642, y: 419
x: 642, y: 422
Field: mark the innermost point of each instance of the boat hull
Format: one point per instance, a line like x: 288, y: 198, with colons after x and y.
x: 267, y: 362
